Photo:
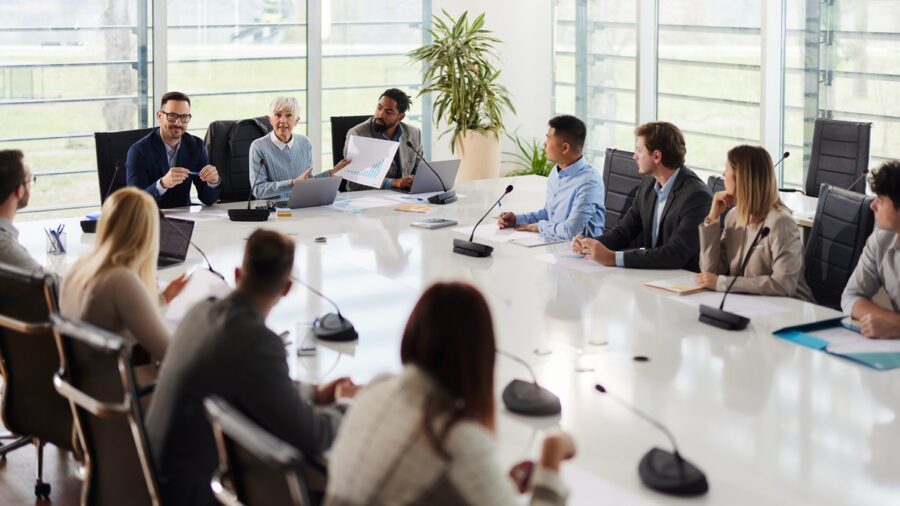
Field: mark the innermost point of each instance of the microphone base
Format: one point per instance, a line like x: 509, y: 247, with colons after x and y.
x: 332, y: 327
x: 448, y: 197
x: 530, y: 399
x: 722, y: 319
x: 471, y: 249
x: 89, y: 226
x: 662, y: 471
x: 248, y: 214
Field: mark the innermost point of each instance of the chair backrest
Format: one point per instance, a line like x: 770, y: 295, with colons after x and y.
x: 621, y: 179
x: 28, y: 358
x: 255, y: 467
x: 340, y: 125
x: 716, y: 184
x: 228, y: 145
x: 839, y: 155
x: 97, y: 378
x: 842, y: 224
x: 112, y: 149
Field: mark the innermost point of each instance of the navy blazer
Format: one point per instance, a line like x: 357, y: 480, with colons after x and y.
x: 147, y: 162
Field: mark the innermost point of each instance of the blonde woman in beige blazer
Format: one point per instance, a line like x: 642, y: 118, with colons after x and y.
x: 776, y: 267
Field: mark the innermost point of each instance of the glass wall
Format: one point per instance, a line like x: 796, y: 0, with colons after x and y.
x: 70, y: 68
x: 595, y: 70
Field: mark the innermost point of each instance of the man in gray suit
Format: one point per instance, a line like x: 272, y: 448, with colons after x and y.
x: 387, y: 123
x: 225, y: 349
x: 15, y: 188
x: 659, y: 231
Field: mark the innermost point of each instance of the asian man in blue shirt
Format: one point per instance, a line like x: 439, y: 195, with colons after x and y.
x: 575, y: 195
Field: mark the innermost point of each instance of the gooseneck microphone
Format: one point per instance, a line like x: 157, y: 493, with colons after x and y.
x: 331, y: 326
x: 528, y: 398
x: 661, y: 470
x: 449, y: 196
x: 250, y: 214
x: 857, y: 180
x: 90, y: 226
x: 474, y: 249
x: 725, y: 319
x: 112, y: 182
x: 168, y: 222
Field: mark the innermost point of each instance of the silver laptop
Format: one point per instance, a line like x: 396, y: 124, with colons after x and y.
x: 173, y: 246
x: 317, y: 191
x: 426, y: 181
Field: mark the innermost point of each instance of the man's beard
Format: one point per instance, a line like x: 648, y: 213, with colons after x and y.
x: 24, y: 200
x: 381, y: 127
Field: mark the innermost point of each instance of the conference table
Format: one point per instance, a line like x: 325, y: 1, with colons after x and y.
x: 769, y: 422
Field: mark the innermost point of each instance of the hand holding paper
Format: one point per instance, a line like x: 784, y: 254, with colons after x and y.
x: 370, y: 160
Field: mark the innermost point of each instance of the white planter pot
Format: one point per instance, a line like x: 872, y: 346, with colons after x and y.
x: 480, y: 154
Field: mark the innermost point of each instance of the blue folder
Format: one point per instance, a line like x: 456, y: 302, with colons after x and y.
x: 800, y: 334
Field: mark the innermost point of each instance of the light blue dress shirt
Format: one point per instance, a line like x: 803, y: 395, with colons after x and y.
x: 662, y: 195
x: 171, y: 156
x: 574, y: 203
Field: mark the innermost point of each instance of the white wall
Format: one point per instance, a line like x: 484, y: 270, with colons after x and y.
x: 526, y: 52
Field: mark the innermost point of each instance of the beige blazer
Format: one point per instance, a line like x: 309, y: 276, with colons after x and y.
x: 775, y: 268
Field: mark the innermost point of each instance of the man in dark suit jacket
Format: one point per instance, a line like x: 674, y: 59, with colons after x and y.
x: 225, y: 349
x: 168, y: 156
x: 670, y: 204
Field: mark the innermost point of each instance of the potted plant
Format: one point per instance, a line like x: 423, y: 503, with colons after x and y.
x: 460, y: 73
x: 529, y: 157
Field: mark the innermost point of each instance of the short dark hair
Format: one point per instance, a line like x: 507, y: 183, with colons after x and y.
x: 457, y: 354
x: 268, y: 261
x: 666, y: 138
x: 570, y: 129
x: 12, y: 172
x: 403, y: 100
x: 176, y: 96
x: 885, y: 181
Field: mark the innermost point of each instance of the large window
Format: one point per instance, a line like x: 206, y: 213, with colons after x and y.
x: 595, y: 57
x: 68, y: 69
x: 709, y: 75
x: 841, y: 62
x: 363, y: 53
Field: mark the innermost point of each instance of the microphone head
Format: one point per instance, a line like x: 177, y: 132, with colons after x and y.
x: 509, y: 188
x: 409, y: 144
x: 786, y: 154
x: 764, y: 232
x: 598, y: 387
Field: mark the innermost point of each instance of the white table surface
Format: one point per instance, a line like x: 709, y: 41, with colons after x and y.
x: 769, y: 422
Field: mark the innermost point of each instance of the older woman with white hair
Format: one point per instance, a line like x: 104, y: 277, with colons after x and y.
x: 280, y: 159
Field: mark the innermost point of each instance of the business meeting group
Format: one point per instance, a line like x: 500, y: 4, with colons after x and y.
x: 423, y: 433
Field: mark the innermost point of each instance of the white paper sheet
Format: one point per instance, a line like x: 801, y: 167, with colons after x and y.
x: 574, y: 261
x: 844, y: 341
x: 491, y: 232
x: 198, y: 216
x: 371, y: 160
x: 203, y: 284
x: 589, y: 490
x: 749, y: 306
x: 361, y: 203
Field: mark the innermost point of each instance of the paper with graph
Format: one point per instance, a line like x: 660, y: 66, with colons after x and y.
x: 371, y: 160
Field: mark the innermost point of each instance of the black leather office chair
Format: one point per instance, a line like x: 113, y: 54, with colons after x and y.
x: 621, y: 179
x: 31, y: 408
x: 255, y: 467
x: 840, y: 154
x: 97, y: 378
x: 228, y: 146
x: 842, y: 224
x: 112, y: 149
x: 340, y: 125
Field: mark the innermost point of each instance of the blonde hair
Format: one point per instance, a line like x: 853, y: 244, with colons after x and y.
x: 127, y: 236
x: 756, y: 190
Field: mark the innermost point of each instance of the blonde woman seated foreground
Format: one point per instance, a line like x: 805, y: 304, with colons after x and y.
x: 776, y: 267
x: 114, y: 287
x: 426, y: 436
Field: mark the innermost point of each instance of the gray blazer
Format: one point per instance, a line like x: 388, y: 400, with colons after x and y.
x: 407, y: 156
x: 224, y: 348
x: 775, y: 268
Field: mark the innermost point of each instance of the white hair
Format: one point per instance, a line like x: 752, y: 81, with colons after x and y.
x: 282, y: 103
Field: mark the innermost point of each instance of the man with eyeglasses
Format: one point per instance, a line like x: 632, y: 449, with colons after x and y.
x: 168, y: 157
x: 15, y: 188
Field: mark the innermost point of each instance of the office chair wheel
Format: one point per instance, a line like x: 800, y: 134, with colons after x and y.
x: 42, y: 490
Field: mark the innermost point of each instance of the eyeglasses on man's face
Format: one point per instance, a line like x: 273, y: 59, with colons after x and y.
x: 173, y: 117
x: 30, y: 180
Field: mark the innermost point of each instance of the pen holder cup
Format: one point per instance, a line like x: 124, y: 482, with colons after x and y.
x: 56, y: 243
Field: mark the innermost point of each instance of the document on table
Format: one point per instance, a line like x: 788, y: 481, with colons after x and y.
x: 371, y: 160
x: 748, y: 306
x: 361, y: 203
x: 843, y: 341
x: 491, y: 232
x: 682, y: 286
x: 198, y: 216
x: 202, y: 285
x: 575, y: 261
x: 587, y: 489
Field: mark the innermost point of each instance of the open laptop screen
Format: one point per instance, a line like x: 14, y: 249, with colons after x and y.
x: 171, y: 243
